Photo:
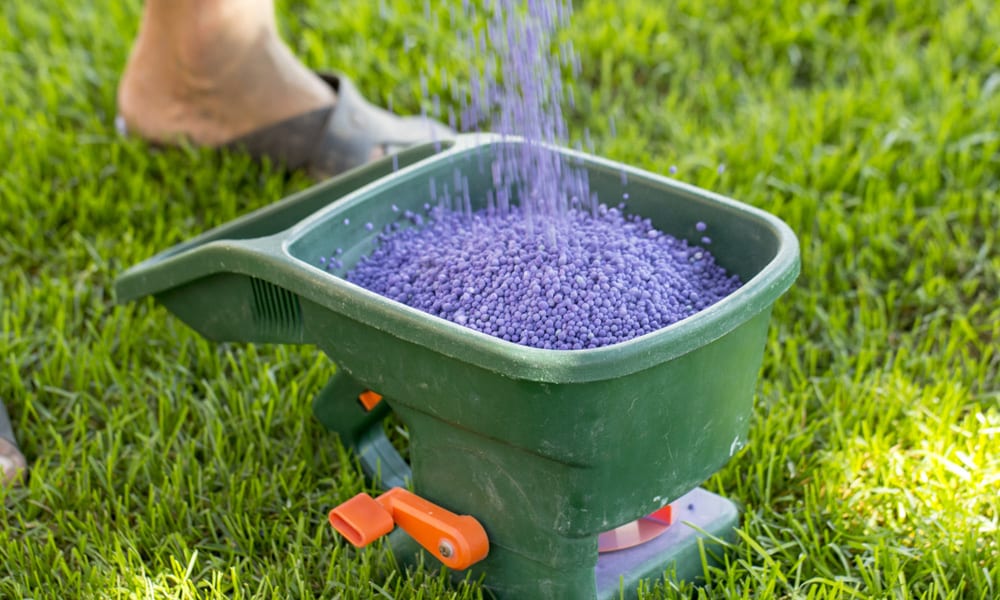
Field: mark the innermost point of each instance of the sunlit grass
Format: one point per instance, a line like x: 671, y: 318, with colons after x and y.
x: 164, y: 465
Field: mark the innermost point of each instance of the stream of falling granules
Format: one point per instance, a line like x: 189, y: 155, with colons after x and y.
x: 589, y: 280
x: 557, y: 270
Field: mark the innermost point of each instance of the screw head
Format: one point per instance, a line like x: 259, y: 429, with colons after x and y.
x: 445, y: 548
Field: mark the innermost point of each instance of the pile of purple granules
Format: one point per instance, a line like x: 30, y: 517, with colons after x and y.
x: 585, y: 281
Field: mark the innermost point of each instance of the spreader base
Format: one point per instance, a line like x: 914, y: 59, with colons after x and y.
x: 699, y: 516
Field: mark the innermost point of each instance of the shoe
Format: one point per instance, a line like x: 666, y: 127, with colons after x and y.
x: 329, y: 141
x: 12, y: 463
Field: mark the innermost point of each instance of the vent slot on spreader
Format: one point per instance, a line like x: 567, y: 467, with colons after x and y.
x: 276, y: 311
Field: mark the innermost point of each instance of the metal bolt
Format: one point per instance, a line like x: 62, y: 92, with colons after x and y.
x: 445, y: 549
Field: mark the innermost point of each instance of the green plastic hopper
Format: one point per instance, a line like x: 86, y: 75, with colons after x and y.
x: 545, y: 448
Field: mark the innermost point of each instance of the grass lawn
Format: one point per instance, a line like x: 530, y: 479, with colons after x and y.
x: 167, y: 466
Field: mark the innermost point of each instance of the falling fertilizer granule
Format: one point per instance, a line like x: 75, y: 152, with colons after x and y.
x: 544, y: 265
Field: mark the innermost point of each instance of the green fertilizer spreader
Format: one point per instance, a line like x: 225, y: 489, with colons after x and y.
x: 554, y: 473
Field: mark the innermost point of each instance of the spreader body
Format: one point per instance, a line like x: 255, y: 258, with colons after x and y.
x: 547, y: 449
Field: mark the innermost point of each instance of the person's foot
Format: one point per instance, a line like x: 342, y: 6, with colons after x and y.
x: 215, y: 73
x: 211, y: 74
x: 12, y: 463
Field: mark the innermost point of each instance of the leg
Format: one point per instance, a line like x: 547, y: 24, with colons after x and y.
x: 338, y: 409
x: 211, y: 70
x: 12, y: 463
x: 215, y: 73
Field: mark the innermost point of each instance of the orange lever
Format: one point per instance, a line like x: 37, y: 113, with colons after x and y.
x: 458, y: 541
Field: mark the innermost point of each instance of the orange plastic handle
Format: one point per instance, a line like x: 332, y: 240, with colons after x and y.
x: 458, y: 541
x: 361, y: 520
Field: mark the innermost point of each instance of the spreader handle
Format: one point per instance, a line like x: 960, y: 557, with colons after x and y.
x: 200, y: 266
x: 458, y: 541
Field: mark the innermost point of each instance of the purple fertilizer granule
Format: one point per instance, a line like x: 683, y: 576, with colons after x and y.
x: 518, y: 92
x: 581, y: 281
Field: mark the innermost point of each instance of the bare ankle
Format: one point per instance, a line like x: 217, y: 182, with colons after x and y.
x: 207, y: 71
